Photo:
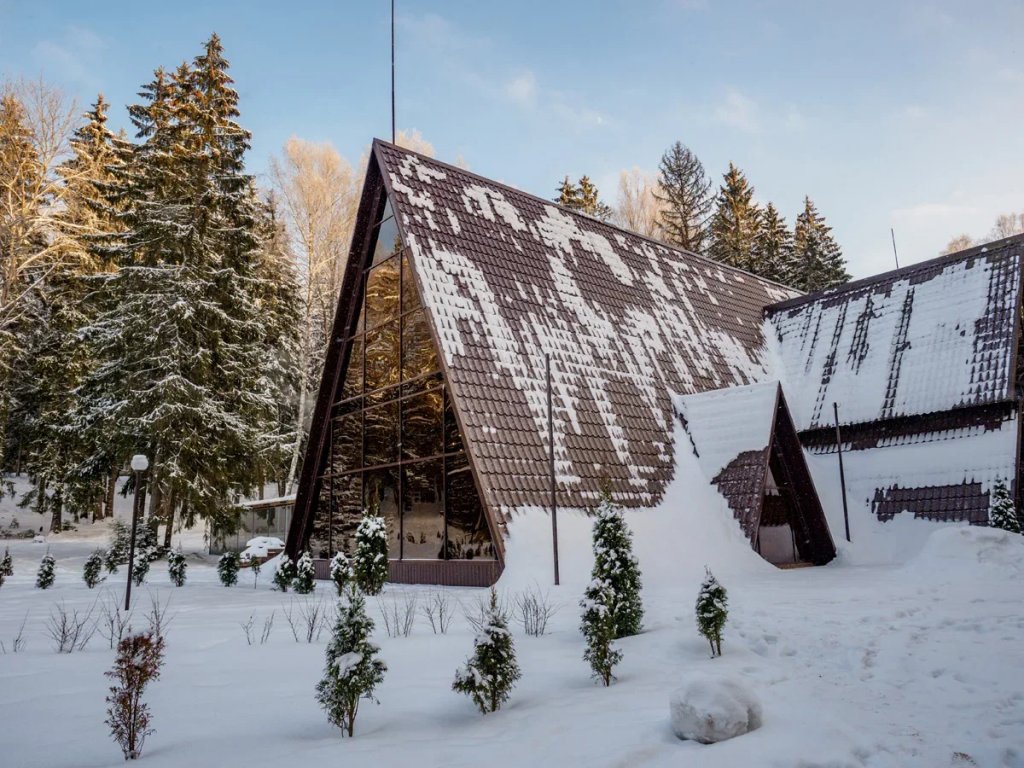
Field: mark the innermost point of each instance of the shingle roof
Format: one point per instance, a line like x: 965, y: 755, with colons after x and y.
x: 930, y: 337
x: 508, y: 277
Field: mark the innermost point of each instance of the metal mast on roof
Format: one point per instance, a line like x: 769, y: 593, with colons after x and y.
x: 392, y: 71
x: 895, y: 255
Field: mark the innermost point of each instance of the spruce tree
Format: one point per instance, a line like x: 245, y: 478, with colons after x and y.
x: 685, y: 194
x: 305, y: 574
x: 735, y: 223
x: 227, y: 569
x: 45, y: 575
x: 6, y: 564
x: 568, y: 194
x: 774, y: 246
x: 617, y: 567
x: 490, y: 674
x: 117, y: 552
x: 341, y: 572
x: 353, y: 669
x: 816, y: 263
x: 1003, y: 514
x: 598, y: 627
x: 176, y: 567
x: 286, y: 572
x: 370, y: 561
x: 583, y: 197
x: 140, y: 568
x: 712, y: 611
x: 92, y: 569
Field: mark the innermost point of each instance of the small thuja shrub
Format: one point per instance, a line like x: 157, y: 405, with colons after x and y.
x: 176, y: 566
x: 353, y: 670
x: 147, y: 543
x: 6, y: 566
x: 227, y: 569
x: 138, y: 662
x: 341, y: 572
x: 1003, y: 514
x: 285, y: 573
x: 140, y: 568
x: 617, y: 567
x: 598, y: 626
x: 490, y: 674
x: 91, y: 572
x: 45, y: 575
x: 370, y: 562
x: 712, y: 611
x: 117, y: 552
x: 305, y: 574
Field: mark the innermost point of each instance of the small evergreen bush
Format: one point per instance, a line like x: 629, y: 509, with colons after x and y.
x: 117, y: 552
x: 6, y: 566
x: 616, y: 567
x: 140, y: 568
x: 138, y: 662
x: 92, y: 569
x: 176, y: 566
x: 712, y: 611
x: 227, y: 569
x: 341, y: 572
x: 598, y: 627
x: 370, y: 562
x: 305, y: 574
x: 1003, y: 514
x: 490, y: 674
x: 46, y: 575
x: 285, y: 574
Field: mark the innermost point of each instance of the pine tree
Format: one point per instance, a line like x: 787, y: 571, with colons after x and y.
x: 176, y: 566
x: 341, y: 572
x: 370, y: 562
x: 816, y: 263
x: 735, y: 224
x: 227, y: 569
x: 286, y: 572
x: 92, y: 569
x: 305, y: 574
x: 712, y: 611
x: 1002, y: 514
x: 45, y: 576
x: 616, y: 567
x: 685, y: 194
x: 353, y: 670
x: 117, y: 552
x: 774, y: 245
x: 598, y: 627
x: 490, y: 674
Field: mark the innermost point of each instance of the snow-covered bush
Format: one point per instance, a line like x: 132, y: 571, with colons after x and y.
x: 305, y: 574
x: 617, y: 567
x: 491, y: 672
x: 710, y: 709
x: 138, y: 662
x: 1002, y: 513
x: 370, y: 562
x: 117, y: 552
x: 285, y: 573
x: 341, y: 572
x: 598, y: 627
x: 46, y: 575
x: 140, y: 568
x: 6, y: 566
x: 93, y: 567
x: 712, y: 611
x: 176, y: 566
x: 227, y: 569
x: 353, y: 670
x: 147, y: 545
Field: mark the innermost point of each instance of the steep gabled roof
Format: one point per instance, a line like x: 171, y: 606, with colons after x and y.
x: 509, y: 277
x: 929, y: 337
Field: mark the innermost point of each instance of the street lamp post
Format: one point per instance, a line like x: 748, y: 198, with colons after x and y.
x: 139, y: 465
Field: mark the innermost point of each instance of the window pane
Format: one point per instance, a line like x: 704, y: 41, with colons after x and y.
x: 382, y: 293
x: 321, y: 539
x: 410, y: 296
x: 346, y: 443
x: 380, y: 434
x: 468, y: 535
x: 347, y: 496
x: 418, y: 355
x: 388, y: 240
x: 452, y: 437
x: 430, y: 381
x: 380, y: 487
x: 353, y: 384
x: 423, y: 510
x: 382, y: 357
x: 421, y: 425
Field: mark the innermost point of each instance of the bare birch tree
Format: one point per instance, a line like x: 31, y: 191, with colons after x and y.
x: 638, y: 208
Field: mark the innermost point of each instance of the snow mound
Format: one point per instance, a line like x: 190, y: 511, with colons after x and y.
x: 954, y: 549
x: 711, y: 708
x: 261, y: 546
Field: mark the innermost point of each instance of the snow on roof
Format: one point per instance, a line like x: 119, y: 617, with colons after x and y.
x: 508, y: 277
x: 930, y: 337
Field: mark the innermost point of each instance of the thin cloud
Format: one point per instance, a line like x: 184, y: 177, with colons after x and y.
x: 73, y: 56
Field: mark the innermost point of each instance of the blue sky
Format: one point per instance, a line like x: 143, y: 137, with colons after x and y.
x: 888, y: 114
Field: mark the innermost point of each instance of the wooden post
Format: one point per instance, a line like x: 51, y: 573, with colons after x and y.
x: 842, y: 474
x: 551, y: 457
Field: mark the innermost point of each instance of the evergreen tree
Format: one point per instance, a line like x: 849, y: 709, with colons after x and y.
x: 568, y: 195
x: 93, y: 568
x: 176, y: 566
x: 305, y: 574
x: 117, y: 552
x: 491, y: 672
x: 598, y: 627
x: 6, y: 564
x: 583, y: 197
x: 227, y: 569
x: 616, y: 567
x: 341, y: 572
x: 286, y: 572
x: 353, y: 670
x: 685, y: 194
x: 1002, y: 514
x: 370, y: 562
x: 735, y: 224
x: 140, y: 568
x: 816, y: 263
x: 712, y: 611
x: 45, y: 576
x: 773, y: 246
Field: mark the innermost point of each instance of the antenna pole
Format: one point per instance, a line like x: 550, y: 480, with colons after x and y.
x: 392, y: 71
x: 551, y: 457
x: 842, y: 474
x: 895, y: 255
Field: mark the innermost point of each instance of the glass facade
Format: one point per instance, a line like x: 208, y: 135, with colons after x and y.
x: 395, y: 445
